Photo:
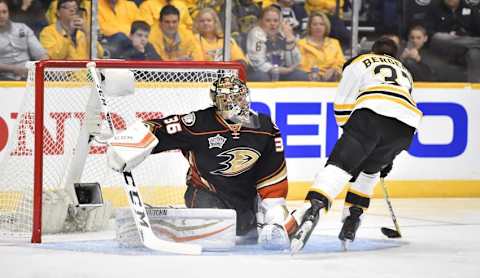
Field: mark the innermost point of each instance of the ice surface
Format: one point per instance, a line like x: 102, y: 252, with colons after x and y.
x: 440, y: 239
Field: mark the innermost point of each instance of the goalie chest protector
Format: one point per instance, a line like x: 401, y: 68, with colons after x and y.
x: 234, y: 163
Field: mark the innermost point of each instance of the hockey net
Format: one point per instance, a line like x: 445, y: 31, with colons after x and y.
x: 41, y: 150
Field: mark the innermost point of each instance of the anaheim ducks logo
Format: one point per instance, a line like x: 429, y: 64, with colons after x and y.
x: 238, y: 160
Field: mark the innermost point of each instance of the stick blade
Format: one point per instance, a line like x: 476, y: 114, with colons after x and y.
x: 390, y: 233
x: 152, y: 242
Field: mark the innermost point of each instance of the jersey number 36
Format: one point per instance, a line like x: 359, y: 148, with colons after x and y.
x: 172, y: 125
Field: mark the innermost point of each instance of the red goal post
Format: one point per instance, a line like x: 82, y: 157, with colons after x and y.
x: 57, y: 92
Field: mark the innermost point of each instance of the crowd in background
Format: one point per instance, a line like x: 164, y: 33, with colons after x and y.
x: 286, y: 40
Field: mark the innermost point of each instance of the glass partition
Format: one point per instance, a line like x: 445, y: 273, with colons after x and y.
x: 277, y: 40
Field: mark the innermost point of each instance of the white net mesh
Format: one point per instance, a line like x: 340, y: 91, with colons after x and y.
x: 159, y: 92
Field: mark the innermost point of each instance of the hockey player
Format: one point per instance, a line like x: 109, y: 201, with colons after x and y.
x: 234, y: 154
x: 379, y: 116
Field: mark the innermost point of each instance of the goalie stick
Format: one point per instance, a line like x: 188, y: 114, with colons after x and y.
x: 390, y: 233
x: 137, y: 207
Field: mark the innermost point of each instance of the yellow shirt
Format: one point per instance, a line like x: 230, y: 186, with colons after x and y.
x: 184, y: 47
x: 213, y: 50
x: 59, y: 44
x: 330, y: 55
x: 267, y: 3
x: 326, y: 6
x: 150, y: 12
x: 118, y: 20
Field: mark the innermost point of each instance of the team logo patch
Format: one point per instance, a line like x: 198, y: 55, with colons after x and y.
x: 236, y: 161
x: 423, y: 2
x: 216, y: 141
x: 189, y: 119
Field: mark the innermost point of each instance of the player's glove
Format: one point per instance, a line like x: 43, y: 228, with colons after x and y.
x: 386, y: 170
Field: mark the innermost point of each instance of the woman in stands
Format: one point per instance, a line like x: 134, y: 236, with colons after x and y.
x: 210, y: 35
x: 272, y: 49
x: 322, y: 55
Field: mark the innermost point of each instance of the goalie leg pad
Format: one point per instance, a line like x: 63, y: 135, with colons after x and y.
x: 213, y: 229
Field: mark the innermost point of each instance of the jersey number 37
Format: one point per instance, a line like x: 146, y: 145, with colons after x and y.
x: 394, y: 75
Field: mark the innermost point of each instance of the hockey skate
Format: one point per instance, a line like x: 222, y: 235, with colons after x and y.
x: 350, y: 226
x: 309, y: 221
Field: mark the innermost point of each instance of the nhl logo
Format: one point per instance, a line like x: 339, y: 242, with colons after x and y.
x: 216, y: 142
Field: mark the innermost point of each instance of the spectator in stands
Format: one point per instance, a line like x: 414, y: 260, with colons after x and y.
x: 272, y: 49
x: 68, y: 38
x: 115, y: 18
x: 417, y: 13
x: 209, y: 32
x: 338, y: 29
x: 150, y: 12
x: 30, y: 12
x: 288, y: 14
x: 322, y: 55
x: 456, y: 34
x: 396, y: 39
x: 387, y: 16
x: 416, y: 57
x: 18, y: 45
x: 245, y: 14
x: 84, y: 6
x: 137, y: 47
x: 325, y: 6
x: 194, y: 6
x: 172, y: 42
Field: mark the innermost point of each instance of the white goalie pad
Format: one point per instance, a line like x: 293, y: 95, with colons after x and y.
x: 213, y: 229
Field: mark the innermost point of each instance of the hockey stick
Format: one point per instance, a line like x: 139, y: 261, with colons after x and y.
x: 390, y: 233
x: 137, y: 207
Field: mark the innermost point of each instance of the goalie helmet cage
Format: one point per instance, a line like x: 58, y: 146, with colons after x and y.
x: 40, y: 150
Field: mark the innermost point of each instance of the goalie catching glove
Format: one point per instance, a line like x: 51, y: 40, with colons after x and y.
x: 130, y: 147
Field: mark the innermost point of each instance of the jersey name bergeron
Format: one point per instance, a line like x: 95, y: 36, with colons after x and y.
x: 370, y: 60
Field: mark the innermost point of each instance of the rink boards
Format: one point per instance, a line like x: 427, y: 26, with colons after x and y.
x: 442, y: 161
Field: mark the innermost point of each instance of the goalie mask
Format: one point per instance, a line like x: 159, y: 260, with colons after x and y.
x: 230, y: 96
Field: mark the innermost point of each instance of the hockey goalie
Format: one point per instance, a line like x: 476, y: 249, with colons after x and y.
x: 236, y: 162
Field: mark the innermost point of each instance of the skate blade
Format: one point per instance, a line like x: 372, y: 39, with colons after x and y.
x: 345, y: 244
x: 295, y: 246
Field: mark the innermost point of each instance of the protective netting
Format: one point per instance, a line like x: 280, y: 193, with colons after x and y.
x: 159, y: 92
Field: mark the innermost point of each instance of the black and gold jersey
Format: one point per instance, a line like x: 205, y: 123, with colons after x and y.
x: 380, y: 83
x: 234, y: 161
